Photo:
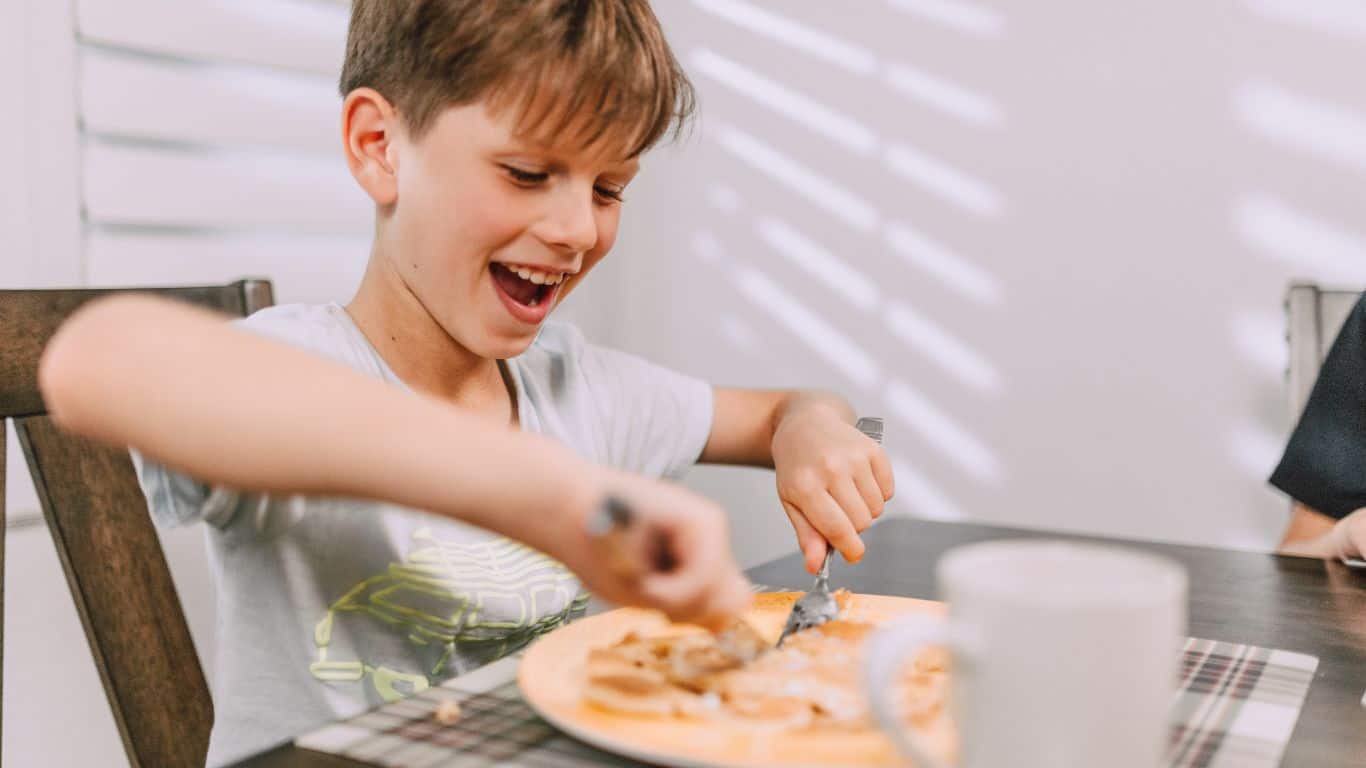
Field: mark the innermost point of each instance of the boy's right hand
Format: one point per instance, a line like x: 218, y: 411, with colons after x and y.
x: 702, y: 583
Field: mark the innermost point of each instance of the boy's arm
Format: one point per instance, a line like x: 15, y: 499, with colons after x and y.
x: 232, y: 408
x: 745, y: 420
x: 832, y: 479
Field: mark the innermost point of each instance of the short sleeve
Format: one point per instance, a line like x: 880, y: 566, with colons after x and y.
x: 657, y: 421
x: 175, y: 499
x: 1324, y: 466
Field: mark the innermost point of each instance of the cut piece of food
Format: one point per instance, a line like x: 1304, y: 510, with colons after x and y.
x: 626, y: 687
x: 447, y: 712
x: 736, y: 676
x: 741, y: 641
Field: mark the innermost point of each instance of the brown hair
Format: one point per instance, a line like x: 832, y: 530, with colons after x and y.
x: 586, y: 69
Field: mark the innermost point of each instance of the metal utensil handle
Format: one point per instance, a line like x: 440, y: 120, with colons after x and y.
x: 611, y: 524
x: 870, y: 426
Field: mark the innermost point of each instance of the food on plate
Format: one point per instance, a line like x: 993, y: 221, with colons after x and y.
x: 811, y: 682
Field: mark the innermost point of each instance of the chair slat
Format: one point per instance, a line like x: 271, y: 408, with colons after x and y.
x: 105, y: 539
x: 123, y: 593
x: 1314, y: 316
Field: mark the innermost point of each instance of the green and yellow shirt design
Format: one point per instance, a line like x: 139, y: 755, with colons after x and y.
x: 485, y: 599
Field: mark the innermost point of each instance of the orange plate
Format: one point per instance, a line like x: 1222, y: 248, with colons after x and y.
x: 551, y: 679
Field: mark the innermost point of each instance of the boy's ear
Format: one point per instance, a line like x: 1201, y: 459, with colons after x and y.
x: 370, y: 126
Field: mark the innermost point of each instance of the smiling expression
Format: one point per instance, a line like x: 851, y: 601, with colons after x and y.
x: 491, y: 228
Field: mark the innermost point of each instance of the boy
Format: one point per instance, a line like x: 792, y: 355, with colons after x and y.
x: 495, y: 140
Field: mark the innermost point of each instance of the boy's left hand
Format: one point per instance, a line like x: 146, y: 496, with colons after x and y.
x: 832, y: 479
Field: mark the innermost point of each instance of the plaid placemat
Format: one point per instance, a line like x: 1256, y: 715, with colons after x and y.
x: 1236, y: 705
x: 495, y: 727
x: 1235, y: 708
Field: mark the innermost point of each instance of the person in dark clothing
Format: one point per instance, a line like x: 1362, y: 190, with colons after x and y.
x: 1324, y: 466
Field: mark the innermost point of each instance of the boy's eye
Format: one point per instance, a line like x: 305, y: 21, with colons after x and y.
x: 531, y: 178
x: 610, y: 193
x: 525, y: 177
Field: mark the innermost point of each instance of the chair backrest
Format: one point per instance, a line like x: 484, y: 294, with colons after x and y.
x: 105, y: 538
x: 1314, y: 315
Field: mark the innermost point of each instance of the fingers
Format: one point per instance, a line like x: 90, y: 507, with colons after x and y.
x: 810, y: 540
x: 732, y: 596
x: 846, y: 495
x: 710, y: 594
x: 705, y: 586
x: 882, y: 473
x: 869, y: 491
x: 678, y: 554
x: 695, y: 552
x: 826, y: 516
x: 1353, y: 539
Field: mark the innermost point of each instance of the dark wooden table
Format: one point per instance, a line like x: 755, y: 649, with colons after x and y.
x: 1296, y: 604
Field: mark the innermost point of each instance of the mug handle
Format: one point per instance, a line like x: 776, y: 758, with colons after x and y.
x: 886, y: 652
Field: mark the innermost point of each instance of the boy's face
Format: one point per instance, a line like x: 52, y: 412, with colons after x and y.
x: 490, y: 230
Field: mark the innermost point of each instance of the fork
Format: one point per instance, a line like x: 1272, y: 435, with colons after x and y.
x: 818, y: 606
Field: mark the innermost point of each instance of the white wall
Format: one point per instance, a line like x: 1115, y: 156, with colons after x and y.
x: 50, y: 680
x: 1048, y: 242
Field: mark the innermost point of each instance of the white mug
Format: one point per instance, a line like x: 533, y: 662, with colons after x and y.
x: 1063, y: 654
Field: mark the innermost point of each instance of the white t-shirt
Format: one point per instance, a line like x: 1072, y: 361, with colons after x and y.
x: 330, y: 606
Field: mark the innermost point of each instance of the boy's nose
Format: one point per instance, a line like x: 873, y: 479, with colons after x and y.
x: 571, y: 226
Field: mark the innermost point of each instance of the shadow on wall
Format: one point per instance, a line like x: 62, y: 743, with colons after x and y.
x: 1050, y: 246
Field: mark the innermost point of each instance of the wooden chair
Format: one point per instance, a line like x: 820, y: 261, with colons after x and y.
x: 1314, y: 315
x: 105, y: 538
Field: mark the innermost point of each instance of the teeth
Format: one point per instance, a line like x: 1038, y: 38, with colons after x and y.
x: 537, y: 277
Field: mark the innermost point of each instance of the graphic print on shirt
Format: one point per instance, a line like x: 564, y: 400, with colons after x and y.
x: 494, y: 595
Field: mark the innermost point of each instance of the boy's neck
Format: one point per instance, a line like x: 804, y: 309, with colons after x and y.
x: 422, y: 354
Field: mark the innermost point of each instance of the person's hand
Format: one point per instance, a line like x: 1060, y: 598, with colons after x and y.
x: 1348, y: 538
x: 680, y: 545
x: 833, y: 481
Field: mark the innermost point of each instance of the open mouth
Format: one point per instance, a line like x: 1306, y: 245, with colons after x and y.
x: 529, y: 291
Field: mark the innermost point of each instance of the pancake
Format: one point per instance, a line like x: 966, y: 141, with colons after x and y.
x: 812, y: 682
